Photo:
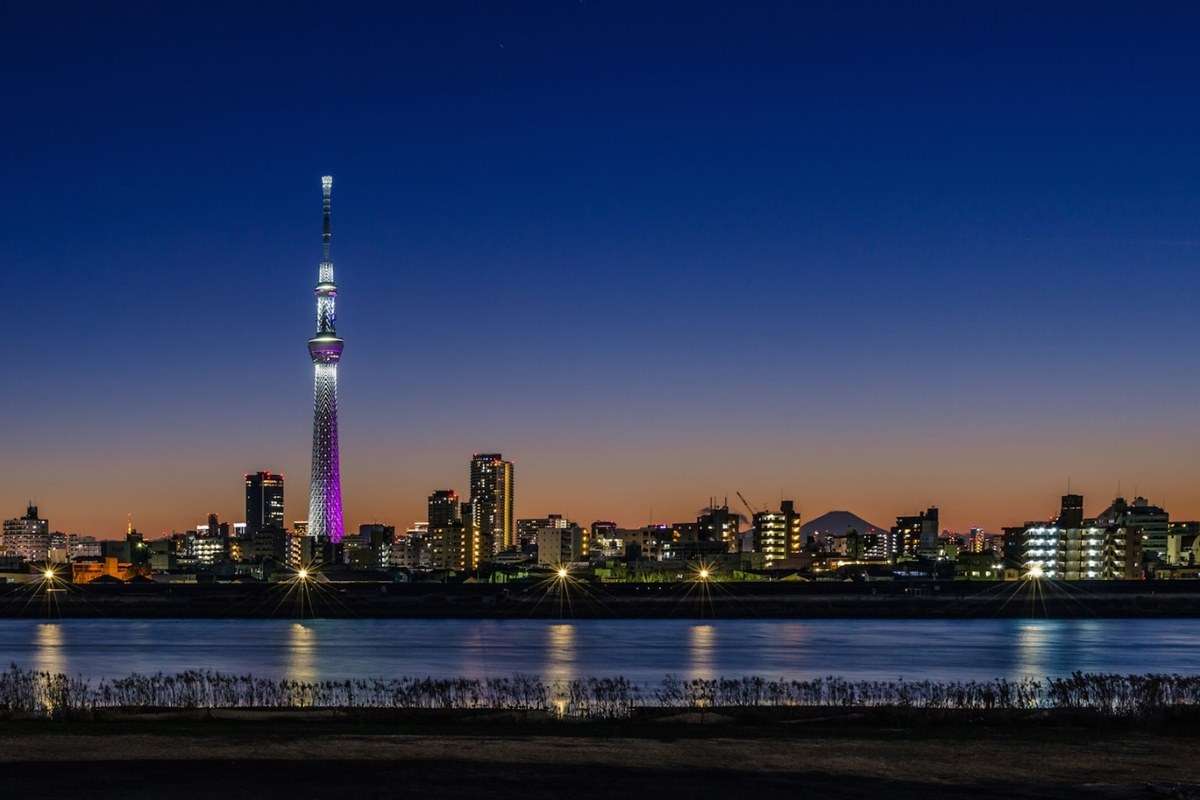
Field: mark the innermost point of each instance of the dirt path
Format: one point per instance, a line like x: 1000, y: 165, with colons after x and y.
x: 132, y: 765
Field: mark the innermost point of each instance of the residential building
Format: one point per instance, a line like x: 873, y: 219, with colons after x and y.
x: 562, y: 545
x: 914, y: 534
x: 792, y: 524
x: 450, y: 541
x: 719, y: 524
x: 1183, y: 544
x: 527, y: 529
x: 1151, y: 523
x: 491, y: 501
x: 411, y: 549
x: 770, y: 530
x: 27, y: 537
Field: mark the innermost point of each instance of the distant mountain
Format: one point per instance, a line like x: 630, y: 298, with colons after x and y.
x: 837, y: 523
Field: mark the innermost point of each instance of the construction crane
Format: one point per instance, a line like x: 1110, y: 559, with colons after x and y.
x: 746, y: 503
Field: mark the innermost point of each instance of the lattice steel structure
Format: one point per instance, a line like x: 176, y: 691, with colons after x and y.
x: 325, y: 489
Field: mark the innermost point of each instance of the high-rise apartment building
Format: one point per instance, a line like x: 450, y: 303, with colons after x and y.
x: 492, y: 505
x: 264, y: 502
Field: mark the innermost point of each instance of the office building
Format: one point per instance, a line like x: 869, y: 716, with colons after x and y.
x: 494, y: 528
x: 264, y: 502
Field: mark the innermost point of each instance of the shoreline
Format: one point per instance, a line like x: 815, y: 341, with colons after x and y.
x: 718, y: 600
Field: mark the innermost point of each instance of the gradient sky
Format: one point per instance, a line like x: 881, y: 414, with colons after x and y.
x: 868, y: 257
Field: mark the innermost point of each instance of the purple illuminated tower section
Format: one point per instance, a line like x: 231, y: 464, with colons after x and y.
x: 325, y: 490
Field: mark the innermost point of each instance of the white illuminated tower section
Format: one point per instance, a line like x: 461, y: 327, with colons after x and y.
x: 325, y: 490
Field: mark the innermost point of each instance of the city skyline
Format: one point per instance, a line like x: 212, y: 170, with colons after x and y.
x: 796, y: 273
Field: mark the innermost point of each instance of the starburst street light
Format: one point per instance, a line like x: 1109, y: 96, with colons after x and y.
x: 302, y: 574
x: 703, y: 573
x: 562, y: 572
x: 1035, y: 571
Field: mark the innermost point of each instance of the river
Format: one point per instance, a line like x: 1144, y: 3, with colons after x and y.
x: 642, y: 650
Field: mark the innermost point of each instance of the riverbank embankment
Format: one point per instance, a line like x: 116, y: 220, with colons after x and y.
x: 585, y: 600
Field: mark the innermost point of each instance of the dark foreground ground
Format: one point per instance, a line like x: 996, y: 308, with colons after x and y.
x: 489, y: 758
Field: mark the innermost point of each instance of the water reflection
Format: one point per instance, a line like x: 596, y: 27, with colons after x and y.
x: 642, y: 650
x: 48, y: 648
x: 702, y: 645
x: 560, y: 652
x: 1032, y: 641
x: 302, y: 652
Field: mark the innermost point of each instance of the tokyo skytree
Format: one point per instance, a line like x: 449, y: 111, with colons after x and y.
x: 325, y: 489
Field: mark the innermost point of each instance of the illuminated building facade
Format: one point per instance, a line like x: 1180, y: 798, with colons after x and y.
x: 491, y: 505
x: 916, y: 533
x: 202, y: 548
x: 795, y: 532
x: 325, y: 348
x: 27, y: 537
x: 264, y: 502
x: 448, y: 533
x: 1089, y: 553
x: 771, y: 536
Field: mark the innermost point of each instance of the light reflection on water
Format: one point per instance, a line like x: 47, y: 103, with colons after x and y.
x: 642, y: 650
x: 302, y: 653
x: 560, y: 652
x: 48, y: 653
x: 701, y: 649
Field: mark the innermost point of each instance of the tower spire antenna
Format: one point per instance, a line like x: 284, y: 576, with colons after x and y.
x: 326, y: 214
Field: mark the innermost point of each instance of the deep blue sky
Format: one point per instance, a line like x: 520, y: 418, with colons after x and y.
x: 871, y: 257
